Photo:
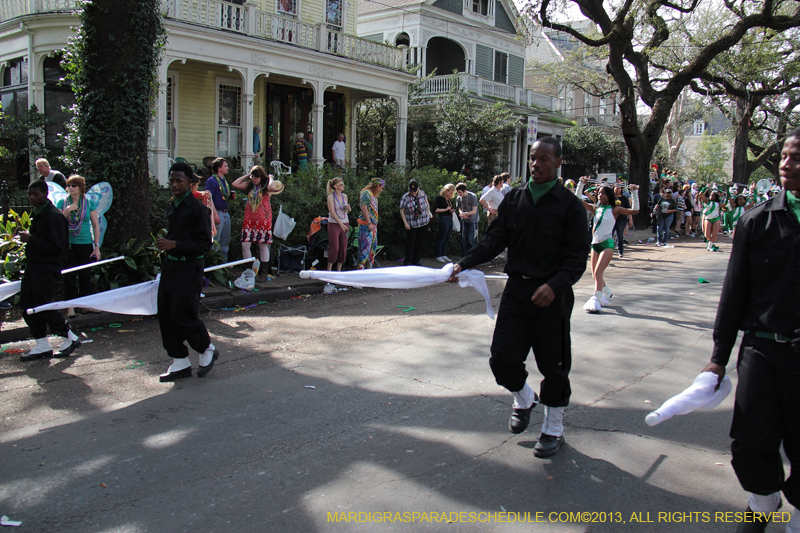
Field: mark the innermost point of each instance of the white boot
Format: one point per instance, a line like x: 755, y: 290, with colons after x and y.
x: 601, y: 298
x: 607, y: 292
x: 592, y: 305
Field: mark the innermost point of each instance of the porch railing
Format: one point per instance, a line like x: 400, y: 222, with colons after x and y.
x: 275, y: 28
x: 482, y: 87
x: 608, y: 121
x: 10, y: 9
x: 213, y: 13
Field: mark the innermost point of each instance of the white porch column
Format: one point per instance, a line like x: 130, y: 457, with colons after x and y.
x: 402, y: 131
x: 514, y: 154
x: 352, y: 138
x: 159, y: 165
x: 317, y: 116
x: 248, y: 82
x: 424, y: 71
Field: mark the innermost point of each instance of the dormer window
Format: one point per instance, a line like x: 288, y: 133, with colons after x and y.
x: 699, y: 127
x: 480, y: 7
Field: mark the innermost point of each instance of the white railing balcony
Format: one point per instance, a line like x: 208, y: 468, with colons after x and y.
x: 247, y: 19
x: 606, y: 121
x: 353, y: 47
x: 492, y: 89
x: 211, y: 13
x: 286, y: 30
x: 10, y: 9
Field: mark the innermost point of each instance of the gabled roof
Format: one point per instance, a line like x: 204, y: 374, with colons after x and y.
x: 368, y: 6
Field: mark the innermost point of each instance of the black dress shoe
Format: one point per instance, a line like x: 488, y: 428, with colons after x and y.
x: 25, y: 358
x: 548, y: 445
x: 172, y: 376
x: 755, y: 522
x: 520, y: 418
x: 68, y: 350
x: 203, y: 370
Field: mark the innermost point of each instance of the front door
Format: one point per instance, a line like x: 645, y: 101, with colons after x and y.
x: 229, y: 117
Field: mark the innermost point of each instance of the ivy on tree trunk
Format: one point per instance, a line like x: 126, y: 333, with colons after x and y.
x: 113, y: 64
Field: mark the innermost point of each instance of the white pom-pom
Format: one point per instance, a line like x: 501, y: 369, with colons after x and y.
x: 304, y: 274
x: 592, y: 305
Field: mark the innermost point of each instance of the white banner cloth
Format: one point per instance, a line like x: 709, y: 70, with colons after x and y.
x: 7, y: 290
x: 404, y: 277
x: 701, y: 395
x: 140, y: 299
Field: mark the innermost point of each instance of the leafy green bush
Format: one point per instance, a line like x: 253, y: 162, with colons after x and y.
x: 12, y: 250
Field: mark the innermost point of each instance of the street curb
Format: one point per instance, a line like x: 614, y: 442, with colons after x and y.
x: 234, y: 299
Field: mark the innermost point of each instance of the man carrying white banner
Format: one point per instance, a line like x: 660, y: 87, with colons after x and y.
x: 544, y: 227
x: 188, y: 237
x: 45, y: 248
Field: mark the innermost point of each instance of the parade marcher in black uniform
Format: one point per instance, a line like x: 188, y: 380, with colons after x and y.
x: 45, y: 248
x: 544, y: 227
x: 760, y: 296
x: 188, y: 237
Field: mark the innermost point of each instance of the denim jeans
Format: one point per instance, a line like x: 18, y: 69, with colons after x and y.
x: 223, y: 236
x: 467, y: 236
x: 663, y: 228
x: 445, y: 230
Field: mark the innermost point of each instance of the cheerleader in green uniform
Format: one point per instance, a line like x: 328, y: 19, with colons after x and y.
x: 712, y: 208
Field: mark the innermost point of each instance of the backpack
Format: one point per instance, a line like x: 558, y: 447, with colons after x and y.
x: 656, y: 213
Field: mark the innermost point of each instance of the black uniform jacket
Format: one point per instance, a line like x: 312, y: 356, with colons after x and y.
x: 548, y: 242
x: 49, y: 236
x: 189, y: 227
x: 761, y: 291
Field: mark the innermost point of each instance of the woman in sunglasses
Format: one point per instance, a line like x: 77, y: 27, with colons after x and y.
x: 84, y: 237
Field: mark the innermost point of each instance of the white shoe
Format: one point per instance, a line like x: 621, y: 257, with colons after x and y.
x: 607, y: 292
x: 447, y: 259
x: 441, y: 260
x: 592, y: 305
x: 601, y: 299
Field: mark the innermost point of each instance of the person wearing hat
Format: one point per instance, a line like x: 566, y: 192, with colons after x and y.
x: 739, y: 204
x: 257, y: 223
x: 416, y: 214
x: 188, y: 238
x: 759, y: 297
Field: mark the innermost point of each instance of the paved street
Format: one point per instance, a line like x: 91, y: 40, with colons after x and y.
x: 403, y: 417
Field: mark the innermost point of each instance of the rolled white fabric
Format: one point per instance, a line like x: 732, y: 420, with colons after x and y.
x: 700, y: 395
x: 635, y: 200
x: 404, y: 277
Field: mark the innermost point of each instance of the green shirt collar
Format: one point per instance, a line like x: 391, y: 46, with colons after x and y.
x: 540, y: 189
x: 41, y: 208
x: 178, y: 199
x: 793, y: 203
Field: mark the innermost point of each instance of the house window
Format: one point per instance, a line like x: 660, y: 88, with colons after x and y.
x: 603, y: 104
x: 14, y: 95
x: 58, y: 99
x: 699, y: 127
x: 229, y: 118
x: 480, y: 7
x: 333, y: 13
x: 501, y: 67
x: 288, y: 7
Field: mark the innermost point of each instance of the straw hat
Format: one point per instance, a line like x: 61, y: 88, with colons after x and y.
x: 277, y: 187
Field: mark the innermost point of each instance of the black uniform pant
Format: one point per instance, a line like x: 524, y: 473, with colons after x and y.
x: 767, y: 413
x: 413, y: 245
x: 522, y: 327
x: 179, y: 307
x: 619, y: 229
x: 79, y: 254
x: 37, y: 288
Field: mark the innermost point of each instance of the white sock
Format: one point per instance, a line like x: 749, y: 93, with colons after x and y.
x: 207, y: 356
x: 553, y: 421
x: 68, y: 340
x: 607, y: 292
x: 42, y: 346
x: 793, y: 525
x: 765, y: 504
x: 179, y: 364
x: 524, y: 398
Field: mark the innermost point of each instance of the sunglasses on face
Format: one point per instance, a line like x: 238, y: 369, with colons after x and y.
x: 72, y: 184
